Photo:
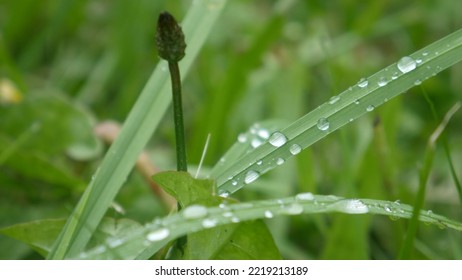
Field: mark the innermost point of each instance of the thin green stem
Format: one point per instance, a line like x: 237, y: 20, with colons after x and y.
x: 178, y: 117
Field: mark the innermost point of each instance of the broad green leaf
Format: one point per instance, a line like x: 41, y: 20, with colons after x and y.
x: 249, y: 240
x: 37, y: 167
x: 40, y: 118
x: 40, y: 235
x: 185, y: 189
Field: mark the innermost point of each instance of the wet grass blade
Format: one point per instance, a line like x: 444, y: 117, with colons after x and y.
x: 143, y: 243
x: 340, y: 110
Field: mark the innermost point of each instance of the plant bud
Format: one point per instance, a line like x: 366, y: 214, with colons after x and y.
x: 169, y: 38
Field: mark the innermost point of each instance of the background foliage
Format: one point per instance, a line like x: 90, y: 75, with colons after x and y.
x: 66, y: 66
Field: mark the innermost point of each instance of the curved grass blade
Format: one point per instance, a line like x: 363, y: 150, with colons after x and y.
x: 143, y: 243
x: 138, y: 128
x: 340, y: 110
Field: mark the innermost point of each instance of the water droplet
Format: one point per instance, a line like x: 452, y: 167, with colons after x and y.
x: 263, y: 133
x: 251, y: 176
x: 430, y: 212
x: 351, y: 206
x: 209, y: 223
x: 418, y: 60
x: 382, y: 82
x: 194, y: 211
x: 394, y: 76
x: 417, y: 82
x: 227, y: 214
x: 280, y: 161
x: 323, y: 124
x: 112, y: 243
x: 334, y: 99
x: 387, y: 208
x: 269, y: 214
x: 277, y: 139
x: 425, y: 53
x: 293, y: 209
x: 242, y: 138
x: 304, y: 196
x: 370, y: 108
x: 357, y: 101
x: 295, y: 149
x: 406, y: 64
x: 256, y: 142
x: 235, y: 220
x: 363, y: 83
x: 259, y: 162
x: 394, y: 217
x: 234, y: 182
x: 158, y: 234
x: 223, y: 193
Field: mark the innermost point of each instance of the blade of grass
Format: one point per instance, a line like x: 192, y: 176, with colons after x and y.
x: 143, y: 243
x: 447, y: 151
x: 406, y: 250
x: 138, y: 128
x: 339, y: 111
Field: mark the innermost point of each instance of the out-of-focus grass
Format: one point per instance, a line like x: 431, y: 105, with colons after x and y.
x: 263, y: 60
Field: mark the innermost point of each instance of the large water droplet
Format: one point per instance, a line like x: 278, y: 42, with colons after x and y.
x: 194, y: 211
x: 242, y: 138
x: 280, y: 161
x: 295, y: 149
x: 363, y: 83
x: 235, y: 220
x: 228, y: 214
x: 209, y: 223
x: 158, y: 234
x: 323, y: 124
x: 406, y: 64
x: 277, y: 139
x: 293, y: 209
x: 351, y: 206
x: 263, y: 133
x: 304, y: 196
x: 269, y: 214
x: 251, y: 176
x: 382, y: 81
x: 256, y: 143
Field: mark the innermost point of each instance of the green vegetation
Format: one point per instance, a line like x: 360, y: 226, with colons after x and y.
x: 308, y: 124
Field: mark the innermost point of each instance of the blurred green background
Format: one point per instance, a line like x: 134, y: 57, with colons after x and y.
x: 68, y: 65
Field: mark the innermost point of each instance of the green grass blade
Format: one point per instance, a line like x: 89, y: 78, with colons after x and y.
x: 340, y: 110
x: 143, y: 243
x: 406, y: 250
x: 138, y: 128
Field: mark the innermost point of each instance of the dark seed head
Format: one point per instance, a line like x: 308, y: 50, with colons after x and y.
x: 170, y: 38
